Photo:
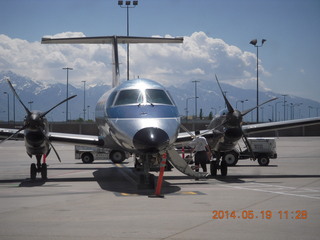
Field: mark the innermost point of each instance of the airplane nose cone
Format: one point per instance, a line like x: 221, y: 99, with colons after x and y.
x: 150, y: 140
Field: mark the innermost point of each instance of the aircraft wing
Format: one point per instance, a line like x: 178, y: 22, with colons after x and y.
x: 264, y: 127
x: 110, y: 40
x: 185, y: 137
x: 58, y: 137
x: 7, y: 132
x: 76, y: 139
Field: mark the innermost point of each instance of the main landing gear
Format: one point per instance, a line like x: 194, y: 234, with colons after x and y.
x: 215, y: 165
x: 39, y: 168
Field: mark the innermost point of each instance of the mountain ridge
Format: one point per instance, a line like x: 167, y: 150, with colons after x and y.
x: 42, y: 96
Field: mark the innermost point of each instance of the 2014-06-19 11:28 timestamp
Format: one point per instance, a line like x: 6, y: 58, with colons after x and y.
x: 264, y: 214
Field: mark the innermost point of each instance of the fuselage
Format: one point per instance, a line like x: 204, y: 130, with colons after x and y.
x: 139, y: 116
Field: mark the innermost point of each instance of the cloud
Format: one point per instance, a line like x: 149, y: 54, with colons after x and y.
x: 199, y: 57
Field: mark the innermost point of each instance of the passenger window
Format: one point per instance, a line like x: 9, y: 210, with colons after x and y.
x: 132, y: 96
x: 157, y: 96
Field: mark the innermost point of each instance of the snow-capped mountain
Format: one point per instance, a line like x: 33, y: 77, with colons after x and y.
x: 42, y: 96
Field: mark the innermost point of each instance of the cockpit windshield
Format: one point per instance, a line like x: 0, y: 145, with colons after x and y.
x: 130, y: 96
x: 145, y: 96
x: 157, y: 96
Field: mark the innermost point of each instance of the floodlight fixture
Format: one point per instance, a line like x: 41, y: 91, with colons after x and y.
x: 254, y: 43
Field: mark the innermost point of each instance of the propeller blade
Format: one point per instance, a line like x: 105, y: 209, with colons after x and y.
x: 229, y: 106
x: 15, y: 93
x: 212, y: 129
x: 51, y: 145
x: 12, y: 135
x: 67, y: 99
x: 207, y: 131
x: 251, y: 109
x: 55, y: 151
x: 186, y: 129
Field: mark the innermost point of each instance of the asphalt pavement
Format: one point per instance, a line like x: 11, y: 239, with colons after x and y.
x: 102, y: 201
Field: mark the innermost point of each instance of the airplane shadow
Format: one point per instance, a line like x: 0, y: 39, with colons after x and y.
x: 126, y: 181
x: 122, y: 181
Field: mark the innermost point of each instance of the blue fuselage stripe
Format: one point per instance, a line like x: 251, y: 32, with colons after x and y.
x: 143, y: 111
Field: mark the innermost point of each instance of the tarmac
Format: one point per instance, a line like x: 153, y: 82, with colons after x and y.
x: 101, y: 200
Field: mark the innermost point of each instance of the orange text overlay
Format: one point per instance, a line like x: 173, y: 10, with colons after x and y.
x: 264, y: 214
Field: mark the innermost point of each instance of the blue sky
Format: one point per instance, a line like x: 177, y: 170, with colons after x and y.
x: 290, y: 59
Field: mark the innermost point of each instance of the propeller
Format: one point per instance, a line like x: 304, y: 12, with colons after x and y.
x: 239, y: 117
x: 35, y: 119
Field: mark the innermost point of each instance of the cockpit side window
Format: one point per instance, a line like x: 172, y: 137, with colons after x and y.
x: 129, y: 96
x: 111, y: 99
x: 157, y: 96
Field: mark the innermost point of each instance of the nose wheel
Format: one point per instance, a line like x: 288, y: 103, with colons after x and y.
x: 39, y: 168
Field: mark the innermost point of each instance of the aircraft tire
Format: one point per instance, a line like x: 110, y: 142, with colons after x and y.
x: 117, y: 156
x: 44, y: 171
x: 224, y: 168
x: 263, y: 160
x: 213, y: 168
x: 151, y: 181
x: 33, y: 171
x: 231, y: 158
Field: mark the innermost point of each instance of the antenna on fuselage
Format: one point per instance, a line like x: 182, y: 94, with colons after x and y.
x: 114, y: 40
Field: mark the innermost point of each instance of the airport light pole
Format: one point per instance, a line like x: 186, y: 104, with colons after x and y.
x: 67, y: 68
x: 276, y: 111
x: 187, y: 101
x: 254, y: 43
x: 127, y: 6
x: 237, y: 103
x: 242, y: 101
x: 84, y: 100
x: 272, y: 112
x: 30, y: 105
x: 196, y: 97
x: 310, y: 107
x: 88, y: 112
x: 292, y: 105
x: 8, y: 105
x: 284, y: 106
x: 14, y: 108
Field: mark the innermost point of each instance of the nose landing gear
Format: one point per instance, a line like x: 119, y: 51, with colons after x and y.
x: 215, y: 165
x: 39, y: 168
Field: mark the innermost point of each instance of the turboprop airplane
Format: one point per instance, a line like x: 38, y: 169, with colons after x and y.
x: 139, y: 116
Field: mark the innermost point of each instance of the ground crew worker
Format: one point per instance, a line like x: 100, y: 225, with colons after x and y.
x: 202, y: 151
